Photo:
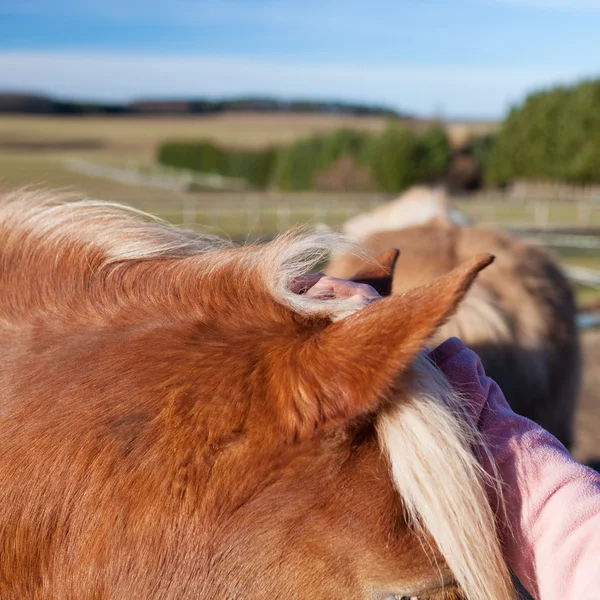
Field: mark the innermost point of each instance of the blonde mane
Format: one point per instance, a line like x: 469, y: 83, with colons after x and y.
x: 429, y: 441
x: 417, y: 206
x: 478, y: 319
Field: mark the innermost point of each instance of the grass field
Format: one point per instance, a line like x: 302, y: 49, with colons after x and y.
x: 138, y: 136
x: 37, y: 151
x: 237, y: 213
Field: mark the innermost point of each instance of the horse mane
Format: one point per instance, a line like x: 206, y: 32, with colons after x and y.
x: 75, y: 251
x: 478, y: 319
x: 434, y: 449
x: 417, y: 206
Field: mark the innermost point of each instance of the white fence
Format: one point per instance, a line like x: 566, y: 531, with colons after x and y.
x: 539, y: 205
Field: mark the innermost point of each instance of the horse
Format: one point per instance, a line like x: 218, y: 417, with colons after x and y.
x: 177, y: 422
x: 519, y: 316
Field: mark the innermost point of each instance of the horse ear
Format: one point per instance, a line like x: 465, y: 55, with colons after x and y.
x: 346, y: 370
x: 380, y: 273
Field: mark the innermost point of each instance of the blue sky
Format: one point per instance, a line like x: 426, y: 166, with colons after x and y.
x: 470, y: 58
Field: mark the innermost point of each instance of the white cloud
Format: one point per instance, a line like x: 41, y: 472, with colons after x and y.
x: 458, y: 91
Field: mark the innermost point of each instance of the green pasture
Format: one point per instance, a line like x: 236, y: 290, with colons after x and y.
x: 231, y: 214
x: 235, y: 213
x: 35, y: 151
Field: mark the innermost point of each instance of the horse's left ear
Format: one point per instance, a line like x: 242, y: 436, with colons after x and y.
x: 346, y: 369
x: 379, y: 274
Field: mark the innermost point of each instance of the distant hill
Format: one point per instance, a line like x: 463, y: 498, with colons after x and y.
x: 42, y: 105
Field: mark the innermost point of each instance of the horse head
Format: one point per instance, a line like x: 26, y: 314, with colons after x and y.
x: 178, y: 423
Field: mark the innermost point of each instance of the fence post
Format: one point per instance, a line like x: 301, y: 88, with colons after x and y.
x: 320, y: 212
x: 542, y: 214
x: 190, y: 212
x: 284, y: 213
x: 252, y: 212
x: 584, y: 211
x: 213, y: 217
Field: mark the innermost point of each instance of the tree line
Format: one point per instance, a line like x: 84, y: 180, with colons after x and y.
x: 35, y: 104
x: 553, y: 135
x: 388, y: 161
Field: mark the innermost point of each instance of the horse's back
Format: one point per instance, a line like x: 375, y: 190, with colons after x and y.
x: 520, y: 316
x: 538, y: 367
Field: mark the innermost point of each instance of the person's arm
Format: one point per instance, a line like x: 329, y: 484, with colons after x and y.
x: 552, y: 534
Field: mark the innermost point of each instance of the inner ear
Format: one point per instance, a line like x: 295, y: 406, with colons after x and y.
x: 379, y: 274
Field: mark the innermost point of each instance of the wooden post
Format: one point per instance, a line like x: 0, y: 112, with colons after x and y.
x: 320, y: 213
x: 584, y: 212
x: 284, y: 213
x: 542, y: 213
x: 213, y: 217
x: 190, y: 212
x: 252, y: 212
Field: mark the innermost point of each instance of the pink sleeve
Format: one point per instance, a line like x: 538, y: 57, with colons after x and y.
x: 552, y: 537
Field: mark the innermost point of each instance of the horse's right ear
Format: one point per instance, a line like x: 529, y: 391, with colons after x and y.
x: 380, y: 273
x: 346, y: 369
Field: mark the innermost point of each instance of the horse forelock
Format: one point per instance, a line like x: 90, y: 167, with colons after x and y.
x: 58, y: 254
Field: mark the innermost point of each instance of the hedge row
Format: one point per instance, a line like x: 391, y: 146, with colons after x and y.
x: 555, y: 134
x: 256, y: 166
x: 395, y: 158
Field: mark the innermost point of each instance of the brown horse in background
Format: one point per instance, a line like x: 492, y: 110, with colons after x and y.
x: 177, y: 424
x: 519, y: 316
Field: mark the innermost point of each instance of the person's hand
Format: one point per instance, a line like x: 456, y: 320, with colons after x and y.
x: 320, y: 286
x: 463, y: 369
